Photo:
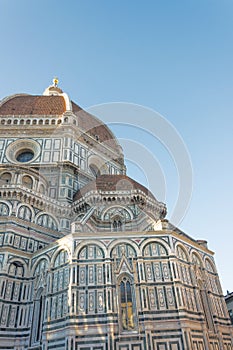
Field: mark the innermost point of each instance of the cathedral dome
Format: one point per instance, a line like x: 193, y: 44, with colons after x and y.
x: 23, y: 104
x: 55, y: 103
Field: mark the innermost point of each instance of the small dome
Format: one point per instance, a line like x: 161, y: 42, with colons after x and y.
x: 109, y: 183
x: 122, y: 188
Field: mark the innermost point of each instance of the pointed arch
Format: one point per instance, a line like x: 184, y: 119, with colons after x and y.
x: 123, y: 253
x: 209, y: 265
x: 196, y: 259
x: 127, y: 302
x: 40, y: 265
x: 206, y: 305
x: 61, y: 256
x: 38, y: 316
x: 182, y: 253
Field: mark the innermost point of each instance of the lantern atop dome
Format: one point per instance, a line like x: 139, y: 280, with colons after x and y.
x: 53, y: 89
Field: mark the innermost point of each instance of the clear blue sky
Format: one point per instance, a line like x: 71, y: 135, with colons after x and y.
x: 175, y: 57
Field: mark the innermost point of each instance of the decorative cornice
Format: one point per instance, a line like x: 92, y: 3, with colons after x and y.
x: 39, y: 201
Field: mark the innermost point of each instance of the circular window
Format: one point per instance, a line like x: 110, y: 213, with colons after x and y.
x: 25, y: 156
x: 23, y: 151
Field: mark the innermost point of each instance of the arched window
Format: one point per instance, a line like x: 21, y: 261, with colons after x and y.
x: 209, y: 266
x: 42, y: 189
x: 181, y: 253
x: 61, y: 259
x: 5, y: 178
x: 38, y: 312
x: 42, y: 266
x: 47, y: 221
x: 4, y: 209
x: 27, y: 182
x: 38, y: 331
x: 196, y: 260
x: 117, y: 225
x: 206, y: 307
x: 25, y: 213
x: 16, y: 269
x: 126, y: 305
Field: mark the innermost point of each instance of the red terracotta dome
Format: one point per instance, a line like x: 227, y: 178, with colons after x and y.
x: 109, y: 183
x: 22, y: 105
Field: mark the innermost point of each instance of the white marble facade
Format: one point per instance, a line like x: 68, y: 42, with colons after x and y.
x: 87, y: 259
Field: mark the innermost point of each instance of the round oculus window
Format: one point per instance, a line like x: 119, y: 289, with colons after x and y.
x: 25, y: 156
x: 23, y: 151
